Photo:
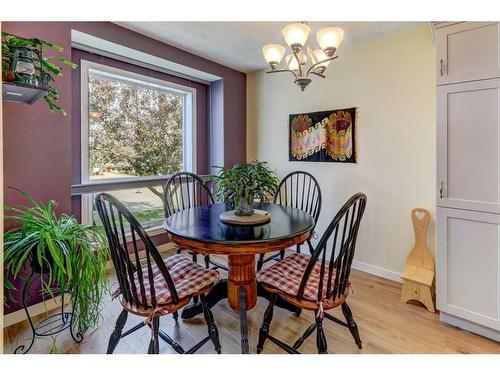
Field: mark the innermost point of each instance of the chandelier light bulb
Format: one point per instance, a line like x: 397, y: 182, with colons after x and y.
x: 292, y: 62
x: 320, y: 55
x: 329, y: 39
x: 273, y: 53
x: 296, y: 35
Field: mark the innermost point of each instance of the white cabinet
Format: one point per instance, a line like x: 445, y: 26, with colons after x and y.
x: 467, y: 51
x: 468, y: 257
x: 468, y: 145
x: 468, y: 176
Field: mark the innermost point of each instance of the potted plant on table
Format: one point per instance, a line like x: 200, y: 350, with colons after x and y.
x: 69, y: 257
x: 243, y: 183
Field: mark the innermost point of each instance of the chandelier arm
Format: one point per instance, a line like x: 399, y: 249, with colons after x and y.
x: 282, y: 70
x: 298, y: 62
x: 318, y: 74
x: 319, y: 63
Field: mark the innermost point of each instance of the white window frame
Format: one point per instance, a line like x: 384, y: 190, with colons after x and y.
x: 188, y: 126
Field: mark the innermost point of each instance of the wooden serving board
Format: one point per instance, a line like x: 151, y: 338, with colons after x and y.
x: 258, y: 217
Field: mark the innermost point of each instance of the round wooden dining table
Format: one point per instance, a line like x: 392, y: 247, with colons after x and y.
x: 199, y: 229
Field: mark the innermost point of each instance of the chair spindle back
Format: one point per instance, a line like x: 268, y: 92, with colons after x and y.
x: 301, y: 190
x: 185, y: 190
x: 124, y: 253
x: 338, y: 243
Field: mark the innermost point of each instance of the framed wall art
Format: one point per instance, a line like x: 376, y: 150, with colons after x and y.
x: 327, y: 136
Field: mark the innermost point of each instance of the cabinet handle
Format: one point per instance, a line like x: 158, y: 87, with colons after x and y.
x: 441, y: 190
x: 441, y: 67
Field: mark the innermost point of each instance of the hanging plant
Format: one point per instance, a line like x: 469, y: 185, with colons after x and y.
x: 23, y: 62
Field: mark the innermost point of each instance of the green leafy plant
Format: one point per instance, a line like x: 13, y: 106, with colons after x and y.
x: 68, y: 255
x: 242, y: 183
x: 44, y: 73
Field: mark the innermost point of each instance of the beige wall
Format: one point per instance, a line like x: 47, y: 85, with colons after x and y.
x: 391, y: 81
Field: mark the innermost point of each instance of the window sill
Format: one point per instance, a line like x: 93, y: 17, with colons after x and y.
x: 155, y: 231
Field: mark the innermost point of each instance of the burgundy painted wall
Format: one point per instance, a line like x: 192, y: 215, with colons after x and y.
x: 37, y: 150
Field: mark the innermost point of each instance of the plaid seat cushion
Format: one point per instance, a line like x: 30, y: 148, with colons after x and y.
x: 286, y: 275
x: 188, y: 277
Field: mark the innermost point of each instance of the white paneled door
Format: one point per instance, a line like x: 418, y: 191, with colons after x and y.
x: 468, y: 51
x: 468, y: 252
x: 468, y: 145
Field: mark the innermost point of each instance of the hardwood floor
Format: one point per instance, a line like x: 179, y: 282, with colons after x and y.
x: 386, y: 326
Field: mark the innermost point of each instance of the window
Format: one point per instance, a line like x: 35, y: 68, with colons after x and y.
x: 134, y: 128
x: 143, y: 202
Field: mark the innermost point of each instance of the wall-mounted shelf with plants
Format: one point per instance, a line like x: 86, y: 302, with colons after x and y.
x: 27, y: 74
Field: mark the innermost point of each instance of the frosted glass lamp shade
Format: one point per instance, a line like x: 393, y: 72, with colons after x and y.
x: 319, y: 55
x: 292, y: 62
x: 273, y: 53
x: 330, y: 38
x: 296, y: 34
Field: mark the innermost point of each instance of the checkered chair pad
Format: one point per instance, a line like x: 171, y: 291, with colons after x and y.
x: 286, y: 275
x: 188, y: 277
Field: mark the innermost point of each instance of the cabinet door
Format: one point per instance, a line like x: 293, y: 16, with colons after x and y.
x: 468, y: 51
x: 467, y: 260
x: 468, y: 145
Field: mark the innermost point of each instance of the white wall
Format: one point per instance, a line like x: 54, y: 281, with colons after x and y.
x: 391, y: 81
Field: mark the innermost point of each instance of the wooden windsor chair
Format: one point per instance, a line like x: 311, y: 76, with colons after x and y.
x: 186, y: 190
x: 315, y: 282
x: 301, y: 190
x: 151, y: 287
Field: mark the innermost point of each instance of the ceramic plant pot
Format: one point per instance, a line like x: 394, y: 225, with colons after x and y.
x: 244, y: 208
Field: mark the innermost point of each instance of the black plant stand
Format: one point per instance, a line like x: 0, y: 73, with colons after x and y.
x: 49, y: 326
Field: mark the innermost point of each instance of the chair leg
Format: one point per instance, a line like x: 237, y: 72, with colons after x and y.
x: 154, y: 345
x: 206, y: 258
x: 264, y: 329
x: 311, y: 248
x: 351, y: 324
x: 320, y: 335
x: 195, y: 260
x: 117, y: 332
x: 282, y: 254
x: 175, y: 315
x: 260, y: 262
x: 306, y: 334
x: 212, y: 328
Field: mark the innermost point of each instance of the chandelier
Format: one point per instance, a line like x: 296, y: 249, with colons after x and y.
x: 296, y: 35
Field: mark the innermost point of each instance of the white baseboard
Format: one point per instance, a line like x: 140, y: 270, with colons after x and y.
x: 377, y: 271
x: 44, y: 306
x: 470, y: 326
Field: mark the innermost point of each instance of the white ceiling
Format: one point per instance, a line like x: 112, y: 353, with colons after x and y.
x: 239, y: 44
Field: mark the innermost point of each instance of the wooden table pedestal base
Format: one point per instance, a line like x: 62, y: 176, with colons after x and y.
x: 242, y: 275
x: 241, y: 290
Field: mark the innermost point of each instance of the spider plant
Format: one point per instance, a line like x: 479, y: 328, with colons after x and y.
x: 242, y: 183
x: 69, y: 257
